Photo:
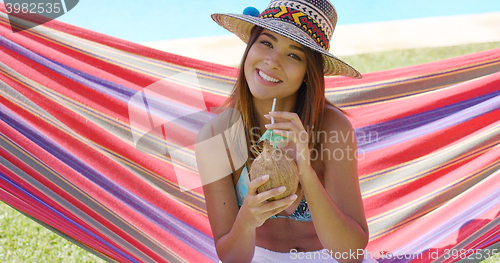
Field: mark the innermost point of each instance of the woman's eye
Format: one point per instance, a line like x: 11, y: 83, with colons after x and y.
x: 295, y: 57
x: 266, y: 43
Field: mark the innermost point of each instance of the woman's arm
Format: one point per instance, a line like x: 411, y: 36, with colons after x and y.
x: 234, y: 241
x: 234, y: 229
x: 336, y: 208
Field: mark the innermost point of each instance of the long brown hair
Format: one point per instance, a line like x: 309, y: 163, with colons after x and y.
x: 310, y: 100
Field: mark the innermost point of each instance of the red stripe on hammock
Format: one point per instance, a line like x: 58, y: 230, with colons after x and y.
x: 137, y: 48
x: 42, y: 213
x: 407, y: 151
x: 391, y: 110
x: 423, y: 225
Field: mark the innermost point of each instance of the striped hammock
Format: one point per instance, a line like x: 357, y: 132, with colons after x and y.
x: 428, y: 135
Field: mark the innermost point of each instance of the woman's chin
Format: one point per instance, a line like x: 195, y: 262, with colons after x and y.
x: 261, y: 94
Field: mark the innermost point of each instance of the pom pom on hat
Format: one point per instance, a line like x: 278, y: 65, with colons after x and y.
x: 251, y: 11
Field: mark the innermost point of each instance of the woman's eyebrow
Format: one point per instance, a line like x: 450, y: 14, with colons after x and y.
x: 270, y: 36
x: 276, y: 40
x: 296, y: 48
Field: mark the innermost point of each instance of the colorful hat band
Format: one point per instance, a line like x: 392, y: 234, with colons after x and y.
x: 303, y: 21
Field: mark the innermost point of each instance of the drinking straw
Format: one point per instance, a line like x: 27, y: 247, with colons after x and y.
x: 274, y: 105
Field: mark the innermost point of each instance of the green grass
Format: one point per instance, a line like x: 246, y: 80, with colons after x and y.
x: 402, y: 58
x: 23, y: 240
x: 493, y: 259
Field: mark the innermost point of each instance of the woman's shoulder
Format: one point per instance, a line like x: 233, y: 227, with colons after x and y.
x: 334, y: 119
x: 217, y: 123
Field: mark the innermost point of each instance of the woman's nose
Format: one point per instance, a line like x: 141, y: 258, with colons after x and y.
x: 273, y: 60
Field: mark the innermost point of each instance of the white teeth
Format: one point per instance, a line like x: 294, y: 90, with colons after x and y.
x: 267, y: 78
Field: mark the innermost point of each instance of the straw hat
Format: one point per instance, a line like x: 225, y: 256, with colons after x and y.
x: 308, y: 22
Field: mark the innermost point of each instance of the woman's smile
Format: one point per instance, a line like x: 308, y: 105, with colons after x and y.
x: 266, y: 79
x: 275, y: 66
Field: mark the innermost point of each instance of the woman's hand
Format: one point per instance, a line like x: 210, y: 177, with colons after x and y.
x: 288, y: 124
x: 256, y: 210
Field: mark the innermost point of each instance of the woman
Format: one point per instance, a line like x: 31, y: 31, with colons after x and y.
x: 286, y: 58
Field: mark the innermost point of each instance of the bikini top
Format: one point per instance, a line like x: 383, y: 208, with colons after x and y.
x: 300, y: 214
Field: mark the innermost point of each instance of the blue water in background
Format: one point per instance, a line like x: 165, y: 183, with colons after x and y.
x: 153, y: 20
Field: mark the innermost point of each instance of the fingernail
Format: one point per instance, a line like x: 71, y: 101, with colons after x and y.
x: 293, y: 197
x: 265, y: 177
x: 267, y: 125
x: 282, y: 189
x: 267, y: 115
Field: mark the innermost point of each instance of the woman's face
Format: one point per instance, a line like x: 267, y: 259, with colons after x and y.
x: 275, y: 66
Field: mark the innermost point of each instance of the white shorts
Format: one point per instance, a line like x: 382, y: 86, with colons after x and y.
x: 263, y: 255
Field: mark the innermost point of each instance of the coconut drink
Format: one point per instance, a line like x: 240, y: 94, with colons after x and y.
x: 278, y: 164
x: 280, y: 167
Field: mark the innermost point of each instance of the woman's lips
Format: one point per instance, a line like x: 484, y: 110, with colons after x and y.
x: 266, y: 79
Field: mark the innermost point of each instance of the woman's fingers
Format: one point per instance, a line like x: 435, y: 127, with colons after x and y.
x: 288, y: 125
x: 283, y: 126
x: 297, y: 138
x: 283, y: 115
x: 254, y: 184
x: 262, y: 210
x: 293, y: 120
x: 259, y: 199
x: 262, y: 197
x: 272, y: 208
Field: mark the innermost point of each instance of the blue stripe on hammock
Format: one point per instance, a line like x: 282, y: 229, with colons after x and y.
x: 171, y: 109
x: 394, y: 127
x: 453, y: 224
x: 114, y: 90
x: 445, y: 118
x: 185, y: 233
x: 412, y: 79
x: 53, y: 210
